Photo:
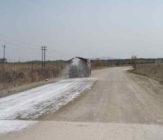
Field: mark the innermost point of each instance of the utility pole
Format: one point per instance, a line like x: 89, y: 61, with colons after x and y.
x: 43, y: 48
x: 4, y: 54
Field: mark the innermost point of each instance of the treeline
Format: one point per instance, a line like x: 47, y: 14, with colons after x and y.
x: 123, y: 62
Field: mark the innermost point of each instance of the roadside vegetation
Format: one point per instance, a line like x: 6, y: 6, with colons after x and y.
x: 154, y: 71
x: 16, y: 74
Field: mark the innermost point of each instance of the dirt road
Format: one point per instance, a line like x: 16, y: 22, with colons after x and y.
x: 120, y: 105
x: 117, y: 96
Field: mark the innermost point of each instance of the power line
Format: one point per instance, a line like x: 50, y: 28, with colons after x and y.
x: 14, y: 43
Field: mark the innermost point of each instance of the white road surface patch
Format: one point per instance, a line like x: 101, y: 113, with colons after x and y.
x: 7, y: 126
x: 42, y: 100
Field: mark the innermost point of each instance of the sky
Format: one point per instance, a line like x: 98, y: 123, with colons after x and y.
x: 86, y: 28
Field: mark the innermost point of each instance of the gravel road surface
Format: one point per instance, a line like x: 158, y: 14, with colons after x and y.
x: 117, y: 96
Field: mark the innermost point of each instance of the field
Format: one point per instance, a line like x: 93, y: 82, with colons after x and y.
x: 154, y: 71
x: 16, y: 74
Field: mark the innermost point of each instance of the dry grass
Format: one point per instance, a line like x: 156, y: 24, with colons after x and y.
x: 12, y: 75
x: 154, y: 71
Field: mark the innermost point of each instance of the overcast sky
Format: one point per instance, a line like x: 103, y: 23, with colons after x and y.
x: 87, y: 28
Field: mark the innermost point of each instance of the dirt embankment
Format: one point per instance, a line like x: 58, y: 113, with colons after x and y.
x: 154, y: 71
x: 20, y: 88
